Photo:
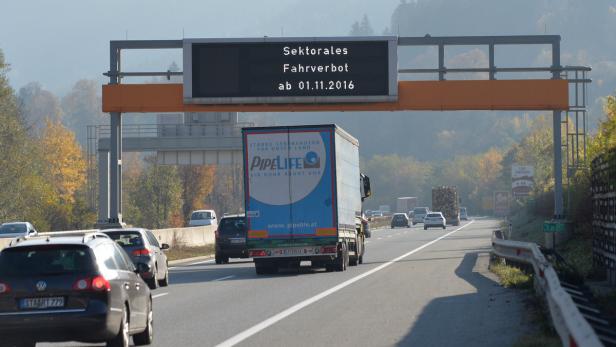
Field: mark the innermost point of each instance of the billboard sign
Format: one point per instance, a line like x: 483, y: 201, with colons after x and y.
x: 522, y: 179
x: 290, y: 70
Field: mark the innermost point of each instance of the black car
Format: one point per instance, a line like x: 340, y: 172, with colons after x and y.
x: 143, y: 247
x: 399, y: 220
x: 231, y: 239
x: 72, y: 287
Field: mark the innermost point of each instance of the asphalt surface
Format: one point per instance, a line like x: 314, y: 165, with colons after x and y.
x: 415, y: 288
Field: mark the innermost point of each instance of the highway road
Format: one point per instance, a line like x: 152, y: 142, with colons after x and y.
x: 415, y: 288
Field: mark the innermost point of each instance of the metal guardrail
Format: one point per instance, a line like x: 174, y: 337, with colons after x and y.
x: 570, y: 324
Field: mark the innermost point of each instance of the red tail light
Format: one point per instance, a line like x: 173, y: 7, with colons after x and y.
x: 97, y: 284
x: 329, y: 249
x: 4, y: 288
x: 139, y: 252
x: 257, y: 253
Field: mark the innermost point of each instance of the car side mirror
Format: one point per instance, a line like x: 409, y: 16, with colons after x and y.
x: 164, y: 246
x: 142, y: 268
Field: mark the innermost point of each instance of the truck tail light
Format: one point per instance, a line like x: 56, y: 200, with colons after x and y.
x: 4, y: 288
x: 329, y: 249
x: 257, y: 253
x: 139, y: 252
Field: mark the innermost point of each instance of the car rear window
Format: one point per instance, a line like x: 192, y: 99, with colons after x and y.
x: 12, y: 228
x: 420, y: 210
x: 434, y: 214
x: 127, y: 238
x: 399, y: 216
x: 232, y: 226
x: 201, y: 215
x: 45, y: 260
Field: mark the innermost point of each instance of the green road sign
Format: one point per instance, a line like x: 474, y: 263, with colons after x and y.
x: 553, y: 226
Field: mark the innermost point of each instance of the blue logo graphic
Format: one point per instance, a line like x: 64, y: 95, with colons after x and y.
x: 312, y: 160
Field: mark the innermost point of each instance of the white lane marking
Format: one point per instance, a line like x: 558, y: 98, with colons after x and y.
x: 378, y: 238
x: 202, y: 262
x: 284, y: 314
x: 159, y: 295
x: 224, y: 278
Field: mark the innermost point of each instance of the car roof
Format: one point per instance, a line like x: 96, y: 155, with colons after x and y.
x: 399, y: 213
x: 202, y: 211
x: 233, y: 216
x: 11, y: 223
x: 89, y: 238
x: 124, y: 229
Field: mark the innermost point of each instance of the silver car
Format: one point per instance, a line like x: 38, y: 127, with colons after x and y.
x: 17, y: 229
x: 435, y: 219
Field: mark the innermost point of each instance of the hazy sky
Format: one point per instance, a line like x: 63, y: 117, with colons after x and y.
x: 58, y: 42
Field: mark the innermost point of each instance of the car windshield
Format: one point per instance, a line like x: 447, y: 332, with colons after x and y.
x: 127, y: 239
x: 420, y: 210
x: 399, y: 216
x: 201, y: 215
x: 45, y: 260
x: 16, y: 228
x: 434, y: 215
x: 232, y: 226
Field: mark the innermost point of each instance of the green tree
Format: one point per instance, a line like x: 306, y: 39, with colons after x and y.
x: 157, y: 195
x: 23, y: 188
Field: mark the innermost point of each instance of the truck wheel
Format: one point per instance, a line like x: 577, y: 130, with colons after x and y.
x: 218, y: 259
x: 353, y: 261
x: 342, y: 261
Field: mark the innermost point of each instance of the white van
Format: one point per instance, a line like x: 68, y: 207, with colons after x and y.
x: 203, y: 217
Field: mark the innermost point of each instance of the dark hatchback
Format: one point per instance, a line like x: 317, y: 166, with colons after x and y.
x: 231, y: 239
x: 399, y: 220
x: 72, y: 287
x: 143, y: 247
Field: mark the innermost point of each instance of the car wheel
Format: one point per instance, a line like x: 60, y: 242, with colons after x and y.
x: 122, y: 339
x: 444, y: 227
x: 425, y: 227
x: 218, y: 259
x: 361, y: 259
x: 152, y: 282
x: 225, y: 260
x: 165, y: 281
x: 146, y: 337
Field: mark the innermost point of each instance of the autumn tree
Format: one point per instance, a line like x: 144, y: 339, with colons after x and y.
x: 197, y: 184
x: 66, y: 166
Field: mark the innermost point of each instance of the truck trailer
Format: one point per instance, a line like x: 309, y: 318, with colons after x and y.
x: 405, y: 204
x: 445, y: 199
x: 303, y: 197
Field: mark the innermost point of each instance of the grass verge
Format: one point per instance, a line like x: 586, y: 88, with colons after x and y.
x: 511, y: 277
x: 542, y: 335
x: 181, y: 252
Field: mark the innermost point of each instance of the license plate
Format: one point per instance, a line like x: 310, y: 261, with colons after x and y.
x: 238, y: 240
x: 41, y: 303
